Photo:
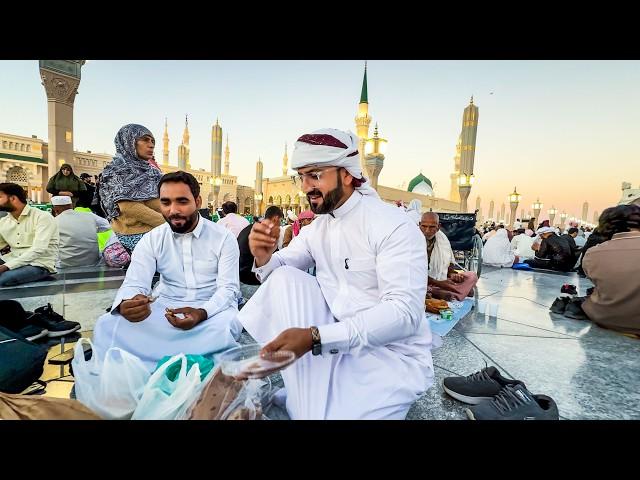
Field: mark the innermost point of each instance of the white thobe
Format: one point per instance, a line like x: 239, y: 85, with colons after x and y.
x: 234, y: 222
x: 197, y: 269
x: 78, y: 238
x: 521, y: 246
x: 367, y: 301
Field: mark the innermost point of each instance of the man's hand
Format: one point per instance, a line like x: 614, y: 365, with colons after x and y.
x: 263, y: 241
x: 136, y: 309
x: 297, y: 340
x: 4, y: 268
x: 456, y: 277
x: 535, y: 246
x: 192, y: 317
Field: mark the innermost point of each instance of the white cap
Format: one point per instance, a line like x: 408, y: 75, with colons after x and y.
x: 61, y: 200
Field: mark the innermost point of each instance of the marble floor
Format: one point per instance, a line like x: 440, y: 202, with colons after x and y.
x: 590, y: 372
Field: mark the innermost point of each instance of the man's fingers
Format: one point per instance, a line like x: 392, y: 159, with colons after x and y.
x: 172, y: 319
x: 135, y: 302
x: 272, y: 346
x: 182, y: 310
x: 137, y: 310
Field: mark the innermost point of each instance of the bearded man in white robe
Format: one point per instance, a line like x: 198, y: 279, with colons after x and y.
x: 358, y: 328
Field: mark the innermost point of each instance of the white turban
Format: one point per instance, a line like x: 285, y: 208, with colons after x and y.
x: 61, y: 200
x: 331, y: 147
x: 542, y: 230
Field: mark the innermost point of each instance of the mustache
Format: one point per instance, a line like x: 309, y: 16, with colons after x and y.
x: 177, y: 217
x: 315, y: 192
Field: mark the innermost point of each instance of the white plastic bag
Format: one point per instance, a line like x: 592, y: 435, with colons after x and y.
x: 166, y: 400
x: 248, y: 403
x: 111, y: 387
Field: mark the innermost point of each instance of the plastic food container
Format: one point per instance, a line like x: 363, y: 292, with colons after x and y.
x: 246, y: 362
x: 446, y: 314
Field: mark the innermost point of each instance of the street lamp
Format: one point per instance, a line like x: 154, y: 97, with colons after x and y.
x: 465, y: 181
x: 563, y: 217
x: 537, y: 206
x: 552, y: 214
x: 258, y: 200
x: 514, y: 200
x: 217, y: 181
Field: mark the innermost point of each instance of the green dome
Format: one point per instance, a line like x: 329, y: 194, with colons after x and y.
x: 418, y: 180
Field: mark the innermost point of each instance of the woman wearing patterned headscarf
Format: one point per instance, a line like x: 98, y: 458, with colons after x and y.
x: 129, y: 187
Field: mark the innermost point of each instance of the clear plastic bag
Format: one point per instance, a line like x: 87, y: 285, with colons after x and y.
x: 111, y: 386
x: 227, y: 398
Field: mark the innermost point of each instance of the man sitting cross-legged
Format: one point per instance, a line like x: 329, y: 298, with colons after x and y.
x: 444, y: 282
x: 358, y: 328
x: 196, y: 307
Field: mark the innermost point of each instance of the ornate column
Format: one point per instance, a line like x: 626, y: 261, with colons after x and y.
x: 514, y: 200
x: 60, y: 79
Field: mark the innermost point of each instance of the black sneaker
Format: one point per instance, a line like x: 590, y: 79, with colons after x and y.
x: 574, y: 310
x: 56, y: 328
x: 50, y: 313
x: 568, y: 288
x: 515, y: 403
x: 559, y: 305
x: 14, y: 317
x: 479, y: 386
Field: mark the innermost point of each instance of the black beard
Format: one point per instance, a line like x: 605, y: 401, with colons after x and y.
x: 188, y: 224
x: 7, y: 207
x: 329, y: 201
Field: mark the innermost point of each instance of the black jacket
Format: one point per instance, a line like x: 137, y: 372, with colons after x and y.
x: 575, y: 251
x: 558, y: 250
x: 246, y: 258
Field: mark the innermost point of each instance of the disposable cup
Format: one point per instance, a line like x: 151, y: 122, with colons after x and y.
x: 493, y: 309
x: 482, y: 307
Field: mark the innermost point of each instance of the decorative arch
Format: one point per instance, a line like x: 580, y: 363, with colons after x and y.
x: 287, y: 199
x: 18, y: 175
x: 277, y: 200
x: 271, y: 200
x: 227, y: 197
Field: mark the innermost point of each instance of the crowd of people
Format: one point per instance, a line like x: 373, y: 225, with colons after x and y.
x: 358, y: 268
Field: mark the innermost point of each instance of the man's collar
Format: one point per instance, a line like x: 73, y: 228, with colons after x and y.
x: 347, y: 206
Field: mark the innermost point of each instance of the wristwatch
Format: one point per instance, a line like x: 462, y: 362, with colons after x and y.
x: 316, y: 346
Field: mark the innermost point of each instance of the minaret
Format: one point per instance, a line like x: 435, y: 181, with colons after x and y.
x: 183, y: 149
x: 502, y: 209
x: 226, y: 157
x: 285, y: 162
x: 374, y: 160
x: 216, y: 149
x: 596, y: 217
x: 363, y: 120
x: 468, y: 137
x: 585, y: 211
x: 454, y: 194
x: 491, y: 206
x: 165, y: 145
x: 258, y: 187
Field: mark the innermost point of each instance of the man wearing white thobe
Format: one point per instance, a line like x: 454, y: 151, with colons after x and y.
x: 358, y: 328
x: 232, y: 220
x: 198, y: 265
x: 78, y: 234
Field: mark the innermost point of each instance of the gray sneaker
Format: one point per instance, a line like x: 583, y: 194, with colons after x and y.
x: 477, y: 387
x: 515, y: 403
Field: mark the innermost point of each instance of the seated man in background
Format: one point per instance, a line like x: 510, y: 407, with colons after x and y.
x: 195, y: 305
x: 570, y: 237
x: 443, y: 281
x: 78, y: 234
x: 273, y: 215
x: 231, y: 220
x: 521, y: 245
x: 553, y: 253
x: 28, y: 239
x: 613, y: 268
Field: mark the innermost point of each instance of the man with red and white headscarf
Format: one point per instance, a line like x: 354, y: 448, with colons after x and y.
x: 358, y: 328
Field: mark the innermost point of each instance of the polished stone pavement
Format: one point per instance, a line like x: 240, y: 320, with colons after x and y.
x: 589, y: 371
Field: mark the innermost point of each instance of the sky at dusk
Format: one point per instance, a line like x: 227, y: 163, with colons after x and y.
x: 563, y: 131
